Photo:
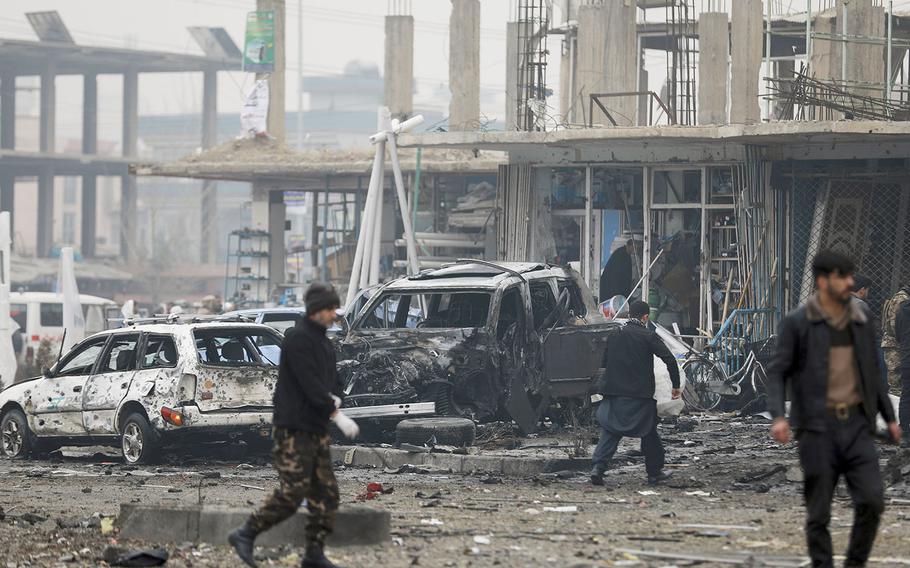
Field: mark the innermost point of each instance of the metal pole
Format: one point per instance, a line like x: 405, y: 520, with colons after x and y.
x: 413, y: 267
x: 808, y: 33
x: 843, y: 53
x: 376, y: 241
x: 768, y: 62
x: 300, y: 74
x: 325, y: 233
x: 358, y: 274
x: 415, y: 195
x: 888, y: 73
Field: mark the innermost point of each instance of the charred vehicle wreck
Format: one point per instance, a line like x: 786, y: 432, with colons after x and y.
x: 477, y: 339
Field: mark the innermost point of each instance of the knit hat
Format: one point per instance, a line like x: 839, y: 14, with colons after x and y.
x: 320, y: 297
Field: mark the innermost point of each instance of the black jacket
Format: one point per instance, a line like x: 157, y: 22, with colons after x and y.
x: 800, y: 367
x: 629, y: 362
x: 307, y: 379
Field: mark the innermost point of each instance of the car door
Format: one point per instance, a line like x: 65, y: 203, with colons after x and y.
x: 572, y: 349
x: 56, y: 403
x: 109, y: 384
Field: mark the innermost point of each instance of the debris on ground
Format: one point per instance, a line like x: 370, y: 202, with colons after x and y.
x: 373, y: 491
x: 116, y: 556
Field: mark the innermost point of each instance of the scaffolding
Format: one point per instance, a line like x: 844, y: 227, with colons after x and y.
x: 682, y: 60
x: 532, y: 65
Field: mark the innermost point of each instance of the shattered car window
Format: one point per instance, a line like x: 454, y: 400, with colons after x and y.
x: 436, y: 310
x: 235, y: 347
x: 160, y: 352
x: 121, y: 356
x: 81, y: 360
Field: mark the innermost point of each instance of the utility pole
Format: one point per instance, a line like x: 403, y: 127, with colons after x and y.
x: 300, y: 74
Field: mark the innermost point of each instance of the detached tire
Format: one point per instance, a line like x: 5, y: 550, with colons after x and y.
x: 447, y: 431
x: 16, y: 439
x: 139, y: 443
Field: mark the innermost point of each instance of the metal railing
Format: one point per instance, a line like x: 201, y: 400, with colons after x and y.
x: 742, y: 329
x: 595, y: 99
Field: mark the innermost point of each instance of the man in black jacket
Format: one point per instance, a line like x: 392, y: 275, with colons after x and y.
x: 307, y: 398
x: 826, y: 358
x: 628, y: 408
x: 616, y: 277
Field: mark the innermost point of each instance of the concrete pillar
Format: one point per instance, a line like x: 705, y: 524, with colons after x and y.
x: 399, y: 65
x: 277, y: 250
x: 607, y: 45
x: 209, y: 198
x: 8, y: 140
x: 865, y: 61
x: 128, y: 182
x: 713, y: 50
x: 747, y: 26
x: 47, y: 134
x: 512, y: 61
x: 464, y: 65
x: 89, y: 181
x: 566, y: 71
x: 275, y: 122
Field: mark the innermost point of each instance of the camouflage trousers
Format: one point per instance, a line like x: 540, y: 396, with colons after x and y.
x: 893, y: 365
x: 304, y: 466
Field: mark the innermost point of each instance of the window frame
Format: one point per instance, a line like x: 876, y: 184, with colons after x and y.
x: 146, y: 338
x: 41, y: 314
x: 57, y: 371
x: 246, y: 341
x: 105, y: 355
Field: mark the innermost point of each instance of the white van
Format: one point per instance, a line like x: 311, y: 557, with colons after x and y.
x: 39, y: 315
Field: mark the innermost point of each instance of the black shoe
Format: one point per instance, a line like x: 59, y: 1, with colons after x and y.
x: 315, y: 558
x: 597, y: 479
x: 242, y: 540
x: 659, y: 478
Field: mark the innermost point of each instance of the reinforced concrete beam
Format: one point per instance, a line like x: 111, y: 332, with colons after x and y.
x: 464, y: 65
x: 89, y: 181
x: 128, y: 195
x: 399, y: 66
x: 713, y: 52
x: 746, y: 27
x: 277, y: 249
x: 512, y: 62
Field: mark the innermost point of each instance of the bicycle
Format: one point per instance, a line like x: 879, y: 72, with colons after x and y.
x: 707, y: 382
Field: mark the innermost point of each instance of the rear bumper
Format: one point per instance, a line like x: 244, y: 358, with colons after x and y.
x: 218, y: 426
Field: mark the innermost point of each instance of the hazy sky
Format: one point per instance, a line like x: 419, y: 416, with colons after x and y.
x: 334, y: 33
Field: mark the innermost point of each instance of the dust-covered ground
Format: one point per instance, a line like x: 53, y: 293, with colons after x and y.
x: 733, y: 492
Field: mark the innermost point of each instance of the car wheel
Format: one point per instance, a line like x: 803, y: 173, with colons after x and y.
x: 445, y: 431
x: 16, y: 439
x: 138, y: 442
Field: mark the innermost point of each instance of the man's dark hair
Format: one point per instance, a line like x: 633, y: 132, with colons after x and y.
x: 828, y: 262
x: 639, y: 309
x: 320, y: 297
x: 630, y: 243
x: 861, y: 281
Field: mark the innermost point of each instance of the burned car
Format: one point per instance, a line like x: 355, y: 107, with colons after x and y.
x: 478, y: 339
x: 146, y: 386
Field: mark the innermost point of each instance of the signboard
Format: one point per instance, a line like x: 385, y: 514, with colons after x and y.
x: 255, y: 112
x: 259, y: 42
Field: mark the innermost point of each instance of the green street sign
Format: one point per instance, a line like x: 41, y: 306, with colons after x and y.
x: 259, y: 42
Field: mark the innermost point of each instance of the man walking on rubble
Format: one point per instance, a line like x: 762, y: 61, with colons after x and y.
x: 307, y: 398
x: 826, y: 358
x: 628, y: 408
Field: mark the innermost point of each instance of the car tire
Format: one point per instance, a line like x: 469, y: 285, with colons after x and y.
x: 139, y: 443
x: 445, y: 431
x: 16, y: 438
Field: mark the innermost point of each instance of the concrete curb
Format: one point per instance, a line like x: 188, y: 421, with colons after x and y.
x: 355, y: 525
x: 454, y: 463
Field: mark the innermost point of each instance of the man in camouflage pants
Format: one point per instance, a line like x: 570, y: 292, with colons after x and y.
x: 307, y: 398
x: 890, y: 345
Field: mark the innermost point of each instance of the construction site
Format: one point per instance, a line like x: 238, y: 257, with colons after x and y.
x: 606, y: 221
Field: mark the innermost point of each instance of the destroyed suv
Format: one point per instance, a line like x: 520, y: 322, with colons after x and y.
x: 146, y: 386
x: 478, y: 339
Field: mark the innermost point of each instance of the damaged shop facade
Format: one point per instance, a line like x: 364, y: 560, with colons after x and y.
x: 726, y: 216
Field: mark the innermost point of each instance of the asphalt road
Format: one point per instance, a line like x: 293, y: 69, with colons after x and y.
x: 733, y: 491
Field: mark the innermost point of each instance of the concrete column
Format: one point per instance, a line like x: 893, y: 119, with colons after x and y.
x: 8, y: 140
x: 128, y: 182
x: 747, y: 26
x: 47, y: 133
x: 209, y: 198
x: 513, y: 58
x: 464, y: 65
x: 89, y: 181
x: 566, y: 69
x: 275, y: 122
x: 607, y: 45
x: 277, y: 250
x: 713, y: 50
x: 865, y: 61
x: 399, y: 65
